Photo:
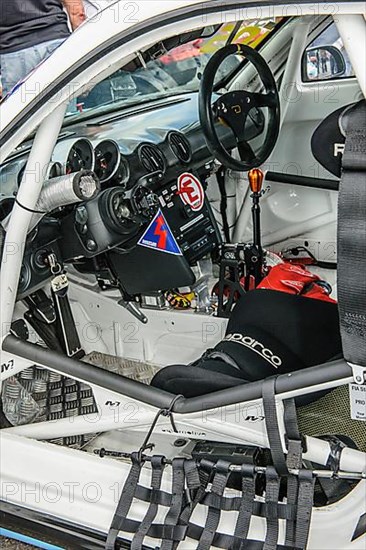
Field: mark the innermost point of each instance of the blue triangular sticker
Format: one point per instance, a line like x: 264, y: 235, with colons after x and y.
x: 159, y: 236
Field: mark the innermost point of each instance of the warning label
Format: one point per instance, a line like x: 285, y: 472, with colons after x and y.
x: 160, y: 237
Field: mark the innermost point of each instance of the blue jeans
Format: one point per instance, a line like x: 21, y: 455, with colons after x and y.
x: 17, y: 65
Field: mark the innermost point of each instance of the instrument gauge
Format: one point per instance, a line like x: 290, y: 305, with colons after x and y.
x: 80, y: 157
x: 54, y: 170
x: 107, y: 160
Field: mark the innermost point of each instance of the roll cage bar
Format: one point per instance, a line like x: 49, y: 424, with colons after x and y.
x: 337, y: 371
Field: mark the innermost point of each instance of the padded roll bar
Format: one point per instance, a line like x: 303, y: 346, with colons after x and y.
x: 312, y: 376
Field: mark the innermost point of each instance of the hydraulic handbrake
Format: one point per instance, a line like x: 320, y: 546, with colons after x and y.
x: 242, y: 264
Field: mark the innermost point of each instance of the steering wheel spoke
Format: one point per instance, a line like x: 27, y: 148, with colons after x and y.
x: 246, y: 152
x: 262, y: 100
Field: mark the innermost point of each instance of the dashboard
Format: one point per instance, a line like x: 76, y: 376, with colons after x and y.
x: 151, y: 213
x: 126, y: 145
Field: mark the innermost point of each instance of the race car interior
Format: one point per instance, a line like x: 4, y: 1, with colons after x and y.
x: 185, y: 238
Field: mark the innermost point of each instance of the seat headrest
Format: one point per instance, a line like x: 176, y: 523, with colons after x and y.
x: 327, y: 142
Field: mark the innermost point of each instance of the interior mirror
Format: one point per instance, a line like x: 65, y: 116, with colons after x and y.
x: 322, y: 63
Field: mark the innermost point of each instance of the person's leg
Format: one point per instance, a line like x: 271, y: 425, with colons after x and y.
x: 17, y: 65
x: 12, y: 69
x: 52, y: 45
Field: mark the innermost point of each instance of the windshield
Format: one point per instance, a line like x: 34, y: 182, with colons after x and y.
x: 165, y: 70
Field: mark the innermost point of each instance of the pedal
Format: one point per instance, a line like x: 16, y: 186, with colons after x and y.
x: 20, y: 329
x: 65, y: 324
x: 42, y: 318
x: 41, y: 307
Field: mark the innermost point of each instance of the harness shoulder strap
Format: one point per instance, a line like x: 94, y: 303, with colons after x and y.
x: 351, y: 240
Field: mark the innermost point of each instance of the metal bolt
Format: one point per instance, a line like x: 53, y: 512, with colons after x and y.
x: 91, y: 245
x: 180, y: 442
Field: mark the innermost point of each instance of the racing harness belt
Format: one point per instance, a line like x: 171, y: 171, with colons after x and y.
x: 352, y: 237
x: 205, y: 483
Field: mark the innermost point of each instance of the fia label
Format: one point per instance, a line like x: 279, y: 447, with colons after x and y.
x: 357, y: 395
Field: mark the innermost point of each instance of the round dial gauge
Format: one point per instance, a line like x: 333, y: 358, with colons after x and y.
x: 107, y: 160
x: 80, y: 157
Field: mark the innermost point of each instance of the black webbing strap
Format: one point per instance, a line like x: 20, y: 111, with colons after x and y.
x: 163, y: 498
x: 246, y: 509
x: 213, y: 515
x: 300, y: 488
x: 294, y: 461
x: 222, y: 540
x: 272, y: 496
x: 226, y: 504
x: 125, y: 501
x: 290, y: 419
x: 180, y: 533
x: 157, y: 530
x: 351, y: 280
x: 177, y: 526
x: 197, y: 487
x: 271, y: 419
x: 157, y: 468
x: 173, y: 514
x: 233, y: 504
x: 304, y: 507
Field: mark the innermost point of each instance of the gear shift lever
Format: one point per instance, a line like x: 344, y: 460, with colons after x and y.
x: 256, y: 177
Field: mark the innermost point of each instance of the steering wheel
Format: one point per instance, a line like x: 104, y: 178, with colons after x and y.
x: 232, y: 109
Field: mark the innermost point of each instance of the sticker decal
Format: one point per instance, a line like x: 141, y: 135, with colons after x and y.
x: 191, y: 191
x: 159, y: 236
x: 357, y: 395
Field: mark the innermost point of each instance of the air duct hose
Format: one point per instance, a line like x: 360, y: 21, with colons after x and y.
x: 61, y: 191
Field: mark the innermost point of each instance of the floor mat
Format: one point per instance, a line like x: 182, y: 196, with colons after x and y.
x: 136, y: 370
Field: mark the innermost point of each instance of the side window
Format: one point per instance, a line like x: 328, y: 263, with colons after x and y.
x: 326, y: 58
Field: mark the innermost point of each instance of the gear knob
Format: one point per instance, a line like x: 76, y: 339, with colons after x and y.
x: 256, y: 177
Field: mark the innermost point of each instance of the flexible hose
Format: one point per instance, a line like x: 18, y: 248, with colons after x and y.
x: 61, y: 191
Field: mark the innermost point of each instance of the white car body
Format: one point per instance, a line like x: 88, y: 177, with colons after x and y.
x: 81, y: 489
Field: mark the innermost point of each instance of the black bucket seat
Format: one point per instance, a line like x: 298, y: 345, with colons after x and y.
x: 269, y: 333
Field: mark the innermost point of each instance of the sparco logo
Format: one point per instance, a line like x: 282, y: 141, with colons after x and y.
x: 256, y: 346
